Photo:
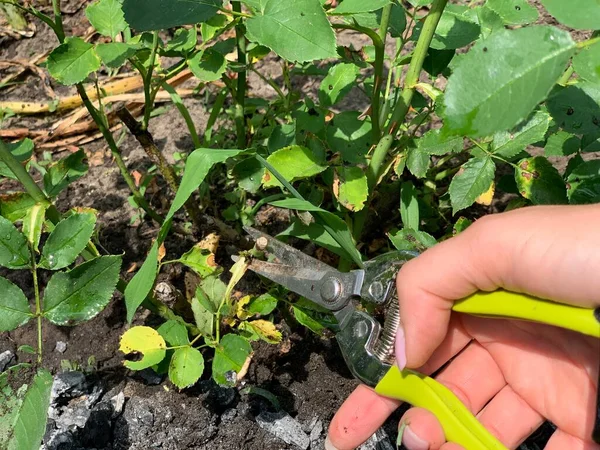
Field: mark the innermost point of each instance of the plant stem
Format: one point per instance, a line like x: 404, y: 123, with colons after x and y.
x: 588, y: 42
x: 58, y: 23
x: 378, y: 43
x: 38, y: 303
x: 148, y: 97
x: 110, y: 140
x: 401, y: 108
x: 240, y: 92
x: 566, y: 76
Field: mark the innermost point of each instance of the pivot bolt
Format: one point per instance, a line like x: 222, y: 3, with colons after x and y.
x: 376, y: 290
x: 331, y: 290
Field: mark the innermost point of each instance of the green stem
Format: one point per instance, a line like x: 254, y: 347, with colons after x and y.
x: 58, y: 23
x: 240, y: 92
x: 38, y: 303
x: 378, y: 43
x: 566, y: 76
x: 184, y: 113
x: 148, y: 97
x: 588, y: 42
x: 264, y: 201
x: 110, y: 140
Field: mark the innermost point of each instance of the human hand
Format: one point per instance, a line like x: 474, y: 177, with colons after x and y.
x: 513, y: 375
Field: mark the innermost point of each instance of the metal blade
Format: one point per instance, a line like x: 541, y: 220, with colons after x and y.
x: 305, y: 275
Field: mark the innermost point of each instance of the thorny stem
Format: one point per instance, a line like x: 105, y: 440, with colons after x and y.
x: 38, y: 303
x: 58, y: 23
x: 148, y: 97
x: 240, y: 92
x: 110, y: 140
x: 402, y: 105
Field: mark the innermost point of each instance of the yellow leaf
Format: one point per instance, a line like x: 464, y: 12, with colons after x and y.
x: 487, y: 197
x: 266, y: 330
x: 240, y: 307
x: 143, y: 347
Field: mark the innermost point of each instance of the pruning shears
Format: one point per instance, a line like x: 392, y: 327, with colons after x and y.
x: 368, y: 347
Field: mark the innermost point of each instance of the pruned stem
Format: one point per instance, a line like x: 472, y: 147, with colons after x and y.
x: 240, y: 92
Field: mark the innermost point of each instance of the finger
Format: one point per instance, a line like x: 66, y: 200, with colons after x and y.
x: 474, y: 377
x: 363, y: 412
x: 500, y: 251
x: 451, y: 446
x: 561, y: 441
x: 423, y: 431
x: 510, y: 418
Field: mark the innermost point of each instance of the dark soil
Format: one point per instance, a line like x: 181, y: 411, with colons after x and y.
x: 306, y: 373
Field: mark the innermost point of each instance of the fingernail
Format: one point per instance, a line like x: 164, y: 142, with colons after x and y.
x: 329, y: 445
x: 400, y: 348
x: 413, y: 442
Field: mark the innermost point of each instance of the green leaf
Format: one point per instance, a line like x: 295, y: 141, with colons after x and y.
x: 417, y: 162
x: 584, y: 193
x: 316, y: 233
x: 214, y: 289
x: 67, y: 240
x: 186, y: 367
x: 408, y: 239
x: 297, y: 31
x: 409, y: 206
x: 359, y: 6
x: 203, y: 317
x: 350, y: 187
x: 350, y: 136
x: 30, y: 424
x: 115, y: 54
x: 145, y: 342
x: 455, y: 30
x: 576, y: 108
x: 80, y: 294
x: 73, y: 61
x: 509, y: 144
x: 304, y: 318
x: 141, y: 284
x: 585, y: 171
x: 174, y: 333
x: 200, y: 260
x: 197, y: 166
x: 248, y: 174
x: 209, y: 29
x: 33, y: 223
x: 397, y: 23
x: 437, y: 61
x: 265, y: 330
x: 540, y: 182
x: 15, y: 206
x: 207, y: 65
x: 262, y: 305
x: 293, y: 163
x: 338, y: 82
x: 587, y: 63
x: 462, y: 223
x: 14, y: 250
x: 500, y: 80
x: 434, y: 143
x: 419, y: 3
x: 22, y: 152
x: 334, y: 225
x: 64, y: 172
x: 488, y: 20
x: 14, y: 307
x: 474, y: 179
x: 152, y: 15
x: 184, y: 41
x: 561, y: 143
x: 513, y: 12
x: 578, y: 14
x: 106, y: 16
x: 230, y: 356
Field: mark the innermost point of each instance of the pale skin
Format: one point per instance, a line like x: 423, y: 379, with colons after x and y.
x: 512, y: 375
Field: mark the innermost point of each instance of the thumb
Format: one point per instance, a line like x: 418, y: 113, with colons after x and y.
x: 551, y: 252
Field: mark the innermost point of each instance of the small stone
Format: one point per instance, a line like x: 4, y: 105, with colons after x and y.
x: 93, y: 398
x: 315, y: 433
x: 284, y: 427
x: 228, y: 415
x: 7, y: 359
x: 118, y: 401
x: 60, y: 347
x: 69, y: 385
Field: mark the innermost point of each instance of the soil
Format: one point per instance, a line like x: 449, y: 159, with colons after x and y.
x: 306, y: 373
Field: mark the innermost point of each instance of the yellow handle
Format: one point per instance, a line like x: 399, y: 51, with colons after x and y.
x: 460, y: 426
x: 510, y: 305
